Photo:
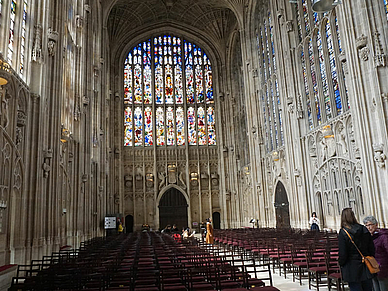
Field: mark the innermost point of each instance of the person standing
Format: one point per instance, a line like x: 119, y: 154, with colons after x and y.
x: 120, y: 228
x: 354, y: 271
x: 380, y: 239
x: 209, y: 231
x: 314, y: 221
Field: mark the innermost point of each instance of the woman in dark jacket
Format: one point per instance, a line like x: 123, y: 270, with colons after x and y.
x: 354, y: 271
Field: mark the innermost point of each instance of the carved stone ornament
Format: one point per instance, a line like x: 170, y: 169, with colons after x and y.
x: 379, y: 155
x: 364, y: 53
x: 379, y: 52
x: 36, y: 53
x: 21, y: 121
x: 52, y: 37
x: 289, y: 26
x: 79, y: 20
x: 361, y: 41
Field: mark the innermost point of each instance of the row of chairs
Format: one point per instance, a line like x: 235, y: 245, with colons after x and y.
x: 310, y: 255
x: 141, y: 261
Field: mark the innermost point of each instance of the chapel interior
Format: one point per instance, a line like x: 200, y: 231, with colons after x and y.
x: 250, y: 112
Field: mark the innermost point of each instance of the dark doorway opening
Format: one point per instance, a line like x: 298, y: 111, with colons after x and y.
x: 128, y: 223
x: 173, y: 209
x: 282, y: 208
x: 216, y: 220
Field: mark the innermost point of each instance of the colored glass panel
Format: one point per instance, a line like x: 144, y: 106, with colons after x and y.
x: 199, y: 83
x: 128, y: 126
x: 128, y: 80
x: 159, y: 84
x: 325, y: 85
x: 147, y: 72
x: 160, y: 130
x: 211, y: 126
x: 306, y: 90
x: 180, y: 126
x: 192, y: 132
x: 268, y: 57
x: 201, y: 126
x: 314, y: 82
x: 265, y: 123
x: 23, y: 38
x: 272, y: 42
x: 178, y: 70
x: 333, y: 68
x: 189, y: 73
x: 274, y: 120
x: 138, y: 122
x: 386, y: 8
x: 208, y: 80
x: 169, y: 88
x: 316, y: 18
x: 299, y: 23
x: 170, y: 126
x: 263, y: 55
x: 306, y: 17
x: 11, y: 31
x: 148, y: 132
x: 268, y: 102
x: 338, y: 35
x: 280, y: 116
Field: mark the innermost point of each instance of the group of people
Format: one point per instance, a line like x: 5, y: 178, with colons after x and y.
x: 356, y: 241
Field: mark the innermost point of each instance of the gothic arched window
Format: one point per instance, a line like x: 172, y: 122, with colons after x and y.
x: 270, y: 98
x: 325, y: 92
x: 168, y: 94
x: 11, y: 41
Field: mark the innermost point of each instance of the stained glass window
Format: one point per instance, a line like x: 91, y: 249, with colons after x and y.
x: 314, y: 82
x: 325, y: 85
x: 333, y: 68
x: 386, y: 8
x: 306, y: 16
x: 23, y: 38
x: 306, y: 90
x: 11, y: 32
x: 299, y: 23
x: 270, y: 98
x: 161, y: 75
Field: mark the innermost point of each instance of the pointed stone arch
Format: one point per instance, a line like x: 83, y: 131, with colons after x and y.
x: 282, y: 207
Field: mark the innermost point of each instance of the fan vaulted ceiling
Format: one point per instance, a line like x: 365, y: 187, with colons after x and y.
x: 211, y: 17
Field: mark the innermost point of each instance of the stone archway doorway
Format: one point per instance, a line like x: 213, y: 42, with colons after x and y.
x: 173, y: 209
x: 282, y: 209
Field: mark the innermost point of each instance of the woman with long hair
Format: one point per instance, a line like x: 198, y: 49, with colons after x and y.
x: 354, y: 271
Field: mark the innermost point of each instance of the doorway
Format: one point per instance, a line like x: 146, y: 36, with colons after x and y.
x: 128, y: 224
x: 282, y: 209
x: 216, y: 220
x: 173, y: 209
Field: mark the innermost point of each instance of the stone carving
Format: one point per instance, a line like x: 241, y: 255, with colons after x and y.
x: 379, y: 155
x: 52, y: 37
x: 4, y: 96
x: 298, y: 177
x: 79, y: 20
x: 379, y: 53
x: 299, y: 108
x: 364, y: 53
x: 36, y: 53
x: 289, y: 26
x: 19, y: 136
x: 47, y: 156
x: 172, y: 179
x: 128, y: 181
x: 322, y: 149
x: 162, y: 179
x: 341, y: 142
x: 182, y: 180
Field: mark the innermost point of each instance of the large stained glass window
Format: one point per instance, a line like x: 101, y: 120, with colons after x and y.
x: 271, y: 104
x: 168, y: 94
x: 324, y: 90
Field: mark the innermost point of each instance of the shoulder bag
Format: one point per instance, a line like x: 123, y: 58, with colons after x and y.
x: 369, y: 261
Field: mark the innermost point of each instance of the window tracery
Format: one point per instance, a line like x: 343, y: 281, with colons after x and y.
x: 11, y: 32
x: 270, y: 99
x: 173, y: 77
x: 324, y: 96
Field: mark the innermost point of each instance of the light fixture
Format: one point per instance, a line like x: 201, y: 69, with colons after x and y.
x: 275, y: 156
x: 3, y: 81
x: 322, y: 6
x: 327, y: 132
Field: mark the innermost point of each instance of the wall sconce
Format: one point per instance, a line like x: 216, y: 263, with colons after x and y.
x: 327, y: 132
x: 64, y: 210
x: 322, y: 6
x: 65, y: 133
x: 193, y: 176
x: 3, y: 81
x: 275, y: 156
x: 171, y: 168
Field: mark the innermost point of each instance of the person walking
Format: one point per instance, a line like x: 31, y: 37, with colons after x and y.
x: 380, y: 240
x: 353, y: 234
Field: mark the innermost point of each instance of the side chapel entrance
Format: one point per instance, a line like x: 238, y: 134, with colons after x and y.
x: 282, y: 209
x: 173, y: 209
